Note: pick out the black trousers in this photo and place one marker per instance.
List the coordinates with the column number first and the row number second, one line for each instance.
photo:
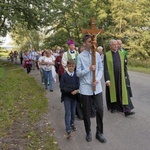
column 28, row 68
column 21, row 59
column 98, row 102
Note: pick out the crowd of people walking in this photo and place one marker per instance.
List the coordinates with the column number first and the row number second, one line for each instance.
column 75, row 75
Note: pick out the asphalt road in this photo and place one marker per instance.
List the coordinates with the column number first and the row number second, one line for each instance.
column 122, row 133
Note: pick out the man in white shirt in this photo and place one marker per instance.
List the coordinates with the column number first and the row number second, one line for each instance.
column 84, row 71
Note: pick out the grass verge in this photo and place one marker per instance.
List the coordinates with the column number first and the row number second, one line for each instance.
column 139, row 69
column 4, row 54
column 22, row 107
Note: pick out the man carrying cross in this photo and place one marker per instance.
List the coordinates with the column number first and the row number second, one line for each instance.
column 84, row 71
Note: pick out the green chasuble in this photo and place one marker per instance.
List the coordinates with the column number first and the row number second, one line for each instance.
column 109, row 60
column 124, row 52
column 70, row 57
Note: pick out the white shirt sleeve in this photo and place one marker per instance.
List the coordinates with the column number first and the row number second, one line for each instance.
column 64, row 60
column 53, row 57
column 40, row 59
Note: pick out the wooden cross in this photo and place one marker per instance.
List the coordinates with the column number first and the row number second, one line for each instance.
column 93, row 32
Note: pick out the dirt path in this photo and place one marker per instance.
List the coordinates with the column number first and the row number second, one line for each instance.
column 122, row 133
column 55, row 116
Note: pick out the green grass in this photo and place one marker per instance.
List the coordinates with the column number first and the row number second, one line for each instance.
column 22, row 104
column 4, row 54
column 2, row 71
column 139, row 69
column 138, row 65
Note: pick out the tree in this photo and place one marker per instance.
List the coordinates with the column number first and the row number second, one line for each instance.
column 22, row 11
column 130, row 23
column 128, row 20
column 27, row 39
column 72, row 16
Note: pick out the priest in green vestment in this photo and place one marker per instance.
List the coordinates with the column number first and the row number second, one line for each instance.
column 71, row 53
column 117, row 94
column 126, row 61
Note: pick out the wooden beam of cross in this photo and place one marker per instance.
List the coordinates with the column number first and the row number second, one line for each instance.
column 93, row 32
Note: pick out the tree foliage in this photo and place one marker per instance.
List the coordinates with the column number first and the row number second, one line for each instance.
column 128, row 20
column 30, row 12
column 27, row 39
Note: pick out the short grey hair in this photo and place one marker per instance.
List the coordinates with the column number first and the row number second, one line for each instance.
column 111, row 41
column 99, row 47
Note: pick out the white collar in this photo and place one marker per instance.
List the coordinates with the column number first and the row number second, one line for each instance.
column 71, row 74
column 72, row 51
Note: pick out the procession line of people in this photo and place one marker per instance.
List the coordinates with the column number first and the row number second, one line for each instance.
column 75, row 73
column 118, row 89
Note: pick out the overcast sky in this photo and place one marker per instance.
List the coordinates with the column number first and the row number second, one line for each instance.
column 8, row 41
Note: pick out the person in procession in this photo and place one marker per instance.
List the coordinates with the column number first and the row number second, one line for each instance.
column 27, row 62
column 84, row 71
column 47, row 62
column 33, row 56
column 70, row 54
column 100, row 51
column 119, row 42
column 58, row 64
column 40, row 66
column 21, row 53
column 117, row 94
column 69, row 85
column 81, row 49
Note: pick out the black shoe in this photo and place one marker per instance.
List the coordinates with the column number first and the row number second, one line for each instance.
column 129, row 113
column 51, row 90
column 100, row 137
column 112, row 111
column 92, row 116
column 89, row 137
column 73, row 127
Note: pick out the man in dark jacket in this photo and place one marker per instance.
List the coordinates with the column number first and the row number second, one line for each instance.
column 117, row 93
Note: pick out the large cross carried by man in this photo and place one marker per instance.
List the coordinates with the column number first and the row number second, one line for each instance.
column 93, row 32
